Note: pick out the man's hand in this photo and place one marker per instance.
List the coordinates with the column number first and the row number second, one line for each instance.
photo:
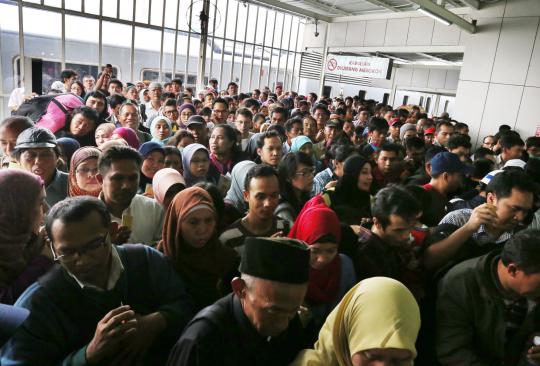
column 148, row 329
column 116, row 326
column 120, row 234
column 485, row 214
column 533, row 354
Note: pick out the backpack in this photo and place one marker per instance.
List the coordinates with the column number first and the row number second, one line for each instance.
column 50, row 111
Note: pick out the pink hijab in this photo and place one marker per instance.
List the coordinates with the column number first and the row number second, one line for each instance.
column 163, row 180
column 129, row 135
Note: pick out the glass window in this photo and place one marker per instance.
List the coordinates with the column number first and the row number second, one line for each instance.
column 56, row 3
column 110, row 9
column 82, row 42
column 126, row 9
column 184, row 14
column 9, row 51
column 168, row 50
column 269, row 34
column 241, row 21
column 181, row 52
column 259, row 34
column 231, row 20
column 218, row 11
column 91, row 6
column 43, row 42
column 147, row 48
column 156, row 15
column 73, row 5
column 141, row 11
column 117, row 48
column 279, row 30
column 171, row 8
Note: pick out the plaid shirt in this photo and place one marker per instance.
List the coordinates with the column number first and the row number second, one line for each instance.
column 460, row 217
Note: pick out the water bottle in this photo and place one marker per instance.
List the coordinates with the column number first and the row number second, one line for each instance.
column 536, row 342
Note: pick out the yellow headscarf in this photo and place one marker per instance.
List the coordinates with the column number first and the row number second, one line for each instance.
column 378, row 312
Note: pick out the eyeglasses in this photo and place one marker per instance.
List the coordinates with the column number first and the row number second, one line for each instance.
column 87, row 171
column 305, row 173
column 70, row 254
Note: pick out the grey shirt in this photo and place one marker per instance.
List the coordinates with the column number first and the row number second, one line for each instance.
column 57, row 190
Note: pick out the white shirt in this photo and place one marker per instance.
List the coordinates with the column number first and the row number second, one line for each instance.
column 147, row 220
column 150, row 112
column 16, row 98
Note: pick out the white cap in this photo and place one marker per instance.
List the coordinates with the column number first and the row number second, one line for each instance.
column 518, row 163
column 489, row 176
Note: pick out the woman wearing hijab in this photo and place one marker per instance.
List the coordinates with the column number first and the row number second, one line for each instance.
column 68, row 146
column 82, row 173
column 235, row 194
column 185, row 111
column 377, row 322
column 189, row 240
column 304, row 144
column 331, row 274
column 167, row 183
column 196, row 164
column 104, row 133
column 161, row 129
column 24, row 255
column 153, row 156
column 128, row 135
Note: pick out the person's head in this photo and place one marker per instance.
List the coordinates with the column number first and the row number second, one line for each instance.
column 115, row 87
column 532, row 144
column 484, row 153
column 512, row 192
column 10, row 129
column 77, row 88
column 23, row 204
column 223, row 141
column 488, row 142
column 82, row 172
column 388, row 158
column 356, row 176
column 161, row 128
column 443, row 132
column 429, row 136
column 377, row 130
column 83, row 122
column 407, row 131
column 415, row 149
column 319, row 227
column 131, row 94
column 309, row 127
column 243, row 121
column 154, row 91
column 261, row 192
column 460, row 144
column 232, row 88
column 89, row 82
column 119, row 172
column 220, row 111
column 293, row 128
column 375, row 324
column 394, row 214
column 448, row 171
column 128, row 116
column 296, row 173
column 321, row 114
column 181, row 139
column 520, row 260
column 273, row 283
column 98, row 101
column 173, row 158
column 270, row 148
column 278, row 115
column 461, row 128
column 166, row 183
column 153, row 158
column 170, row 110
column 196, row 163
column 176, row 86
column 68, row 76
column 512, row 146
column 37, row 151
column 78, row 228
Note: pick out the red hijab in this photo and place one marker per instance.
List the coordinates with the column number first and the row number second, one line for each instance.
column 313, row 224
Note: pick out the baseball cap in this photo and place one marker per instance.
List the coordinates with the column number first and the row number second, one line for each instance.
column 429, row 131
column 448, row 162
column 489, row 176
column 35, row 137
column 196, row 120
column 393, row 121
column 154, row 85
column 148, row 147
column 515, row 163
column 11, row 317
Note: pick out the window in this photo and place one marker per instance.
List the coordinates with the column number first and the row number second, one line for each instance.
column 421, row 101
column 428, row 104
column 405, row 100
column 446, row 106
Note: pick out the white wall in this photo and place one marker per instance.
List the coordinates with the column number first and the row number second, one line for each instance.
column 500, row 78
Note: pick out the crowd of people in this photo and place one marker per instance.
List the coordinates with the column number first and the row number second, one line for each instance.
column 163, row 226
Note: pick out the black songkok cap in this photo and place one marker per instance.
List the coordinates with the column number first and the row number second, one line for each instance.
column 276, row 259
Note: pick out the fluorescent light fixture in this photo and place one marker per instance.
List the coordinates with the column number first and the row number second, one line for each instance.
column 434, row 16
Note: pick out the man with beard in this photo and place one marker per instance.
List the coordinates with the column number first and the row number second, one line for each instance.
column 139, row 219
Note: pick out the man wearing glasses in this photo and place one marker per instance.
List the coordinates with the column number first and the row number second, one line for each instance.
column 220, row 111
column 103, row 303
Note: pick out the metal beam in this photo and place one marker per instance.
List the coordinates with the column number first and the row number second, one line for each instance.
column 446, row 15
column 328, row 8
column 475, row 4
column 435, row 58
column 278, row 5
column 383, row 5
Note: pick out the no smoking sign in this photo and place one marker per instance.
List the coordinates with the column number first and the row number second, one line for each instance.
column 331, row 64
